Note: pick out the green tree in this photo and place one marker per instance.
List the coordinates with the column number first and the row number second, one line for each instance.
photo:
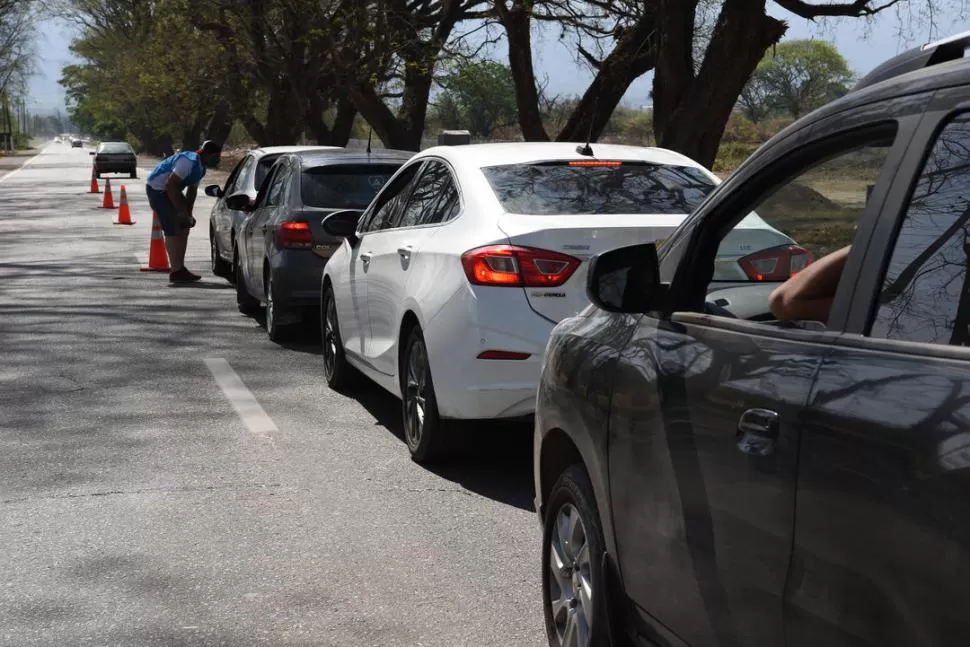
column 795, row 78
column 478, row 96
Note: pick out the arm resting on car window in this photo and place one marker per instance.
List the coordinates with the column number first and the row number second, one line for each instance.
column 808, row 295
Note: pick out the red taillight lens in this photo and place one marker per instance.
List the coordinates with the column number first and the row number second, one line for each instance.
column 294, row 235
column 514, row 266
column 776, row 263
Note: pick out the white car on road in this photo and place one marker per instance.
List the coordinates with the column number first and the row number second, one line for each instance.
column 447, row 286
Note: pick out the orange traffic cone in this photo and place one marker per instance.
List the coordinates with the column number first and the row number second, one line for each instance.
column 94, row 182
column 157, row 256
column 109, row 201
column 124, row 214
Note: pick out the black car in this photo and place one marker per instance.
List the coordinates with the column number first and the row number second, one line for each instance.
column 247, row 177
column 280, row 247
column 115, row 157
column 707, row 475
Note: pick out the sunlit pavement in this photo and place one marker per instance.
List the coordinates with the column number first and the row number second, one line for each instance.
column 138, row 508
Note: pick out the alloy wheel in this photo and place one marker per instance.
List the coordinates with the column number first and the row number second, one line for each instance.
column 415, row 393
column 330, row 338
column 570, row 578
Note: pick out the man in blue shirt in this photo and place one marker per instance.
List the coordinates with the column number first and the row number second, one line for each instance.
column 180, row 172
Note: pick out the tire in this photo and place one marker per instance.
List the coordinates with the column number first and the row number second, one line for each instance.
column 339, row 373
column 133, row 175
column 244, row 301
column 574, row 622
column 428, row 438
column 219, row 266
column 274, row 329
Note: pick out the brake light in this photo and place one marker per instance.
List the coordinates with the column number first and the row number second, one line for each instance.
column 594, row 163
column 512, row 266
column 294, row 235
column 776, row 263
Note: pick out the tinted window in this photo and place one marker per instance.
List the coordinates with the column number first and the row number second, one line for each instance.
column 262, row 169
column 924, row 296
column 434, row 199
column 551, row 188
column 112, row 147
column 344, row 187
column 388, row 204
column 276, row 187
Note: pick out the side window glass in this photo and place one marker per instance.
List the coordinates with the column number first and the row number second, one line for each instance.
column 274, row 195
column 810, row 215
column 424, row 197
column 231, row 183
column 446, row 203
column 925, row 296
column 388, row 203
column 262, row 196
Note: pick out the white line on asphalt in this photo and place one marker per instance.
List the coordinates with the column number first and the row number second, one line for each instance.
column 24, row 165
column 241, row 398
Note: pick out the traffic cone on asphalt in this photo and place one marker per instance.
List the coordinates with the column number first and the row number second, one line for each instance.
column 94, row 182
column 124, row 214
column 157, row 256
column 109, row 201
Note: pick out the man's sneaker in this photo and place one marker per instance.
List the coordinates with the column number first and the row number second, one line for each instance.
column 183, row 276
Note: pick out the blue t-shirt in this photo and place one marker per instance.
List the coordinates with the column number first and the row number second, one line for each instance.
column 187, row 165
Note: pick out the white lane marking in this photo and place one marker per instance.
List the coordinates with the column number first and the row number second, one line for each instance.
column 241, row 398
column 25, row 164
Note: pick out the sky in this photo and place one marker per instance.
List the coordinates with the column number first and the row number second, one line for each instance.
column 864, row 42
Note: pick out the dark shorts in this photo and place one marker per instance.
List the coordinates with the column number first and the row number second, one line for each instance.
column 167, row 214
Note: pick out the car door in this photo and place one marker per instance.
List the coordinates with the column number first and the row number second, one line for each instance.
column 397, row 255
column 882, row 533
column 379, row 218
column 706, row 417
column 222, row 217
column 259, row 224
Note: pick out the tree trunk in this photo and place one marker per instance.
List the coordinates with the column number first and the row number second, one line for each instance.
column 192, row 136
column 517, row 20
column 220, row 124
column 343, row 123
column 317, row 104
column 691, row 112
column 634, row 55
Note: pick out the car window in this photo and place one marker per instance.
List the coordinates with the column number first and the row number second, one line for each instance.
column 344, row 186
column 387, row 206
column 114, row 148
column 569, row 187
column 262, row 195
column 805, row 217
column 925, row 296
column 275, row 193
column 263, row 168
column 232, row 184
column 433, row 199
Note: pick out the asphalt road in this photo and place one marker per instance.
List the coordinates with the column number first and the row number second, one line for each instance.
column 137, row 507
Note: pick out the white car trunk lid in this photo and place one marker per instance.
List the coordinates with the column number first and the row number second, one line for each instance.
column 582, row 237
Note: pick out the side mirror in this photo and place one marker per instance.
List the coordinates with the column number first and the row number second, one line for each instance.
column 91, row 153
column 239, row 202
column 626, row 280
column 213, row 191
column 342, row 224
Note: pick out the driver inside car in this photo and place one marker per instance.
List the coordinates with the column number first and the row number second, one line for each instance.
column 808, row 295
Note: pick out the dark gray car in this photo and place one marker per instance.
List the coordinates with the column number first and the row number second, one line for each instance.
column 247, row 177
column 281, row 247
column 709, row 476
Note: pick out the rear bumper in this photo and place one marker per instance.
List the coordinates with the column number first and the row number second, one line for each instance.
column 486, row 319
column 115, row 167
column 296, row 277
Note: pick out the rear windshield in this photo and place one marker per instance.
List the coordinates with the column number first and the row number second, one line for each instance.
column 567, row 188
column 115, row 148
column 344, row 186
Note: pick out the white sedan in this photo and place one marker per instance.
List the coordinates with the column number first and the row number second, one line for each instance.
column 447, row 286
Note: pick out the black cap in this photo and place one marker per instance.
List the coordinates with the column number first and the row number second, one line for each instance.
column 210, row 147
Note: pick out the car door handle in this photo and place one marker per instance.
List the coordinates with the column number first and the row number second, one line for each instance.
column 405, row 251
column 365, row 257
column 757, row 432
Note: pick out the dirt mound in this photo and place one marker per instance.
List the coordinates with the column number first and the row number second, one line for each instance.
column 796, row 198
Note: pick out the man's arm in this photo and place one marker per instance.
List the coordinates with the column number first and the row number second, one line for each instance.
column 190, row 194
column 808, row 295
column 183, row 167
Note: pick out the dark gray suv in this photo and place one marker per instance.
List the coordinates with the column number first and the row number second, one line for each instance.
column 707, row 475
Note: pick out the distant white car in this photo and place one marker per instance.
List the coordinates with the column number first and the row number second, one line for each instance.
column 446, row 288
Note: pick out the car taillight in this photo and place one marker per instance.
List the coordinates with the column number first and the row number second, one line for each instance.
column 513, row 266
column 294, row 235
column 776, row 263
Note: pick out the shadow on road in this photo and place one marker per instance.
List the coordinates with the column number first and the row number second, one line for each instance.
column 495, row 458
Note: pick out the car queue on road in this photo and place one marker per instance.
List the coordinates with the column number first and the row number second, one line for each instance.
column 705, row 474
